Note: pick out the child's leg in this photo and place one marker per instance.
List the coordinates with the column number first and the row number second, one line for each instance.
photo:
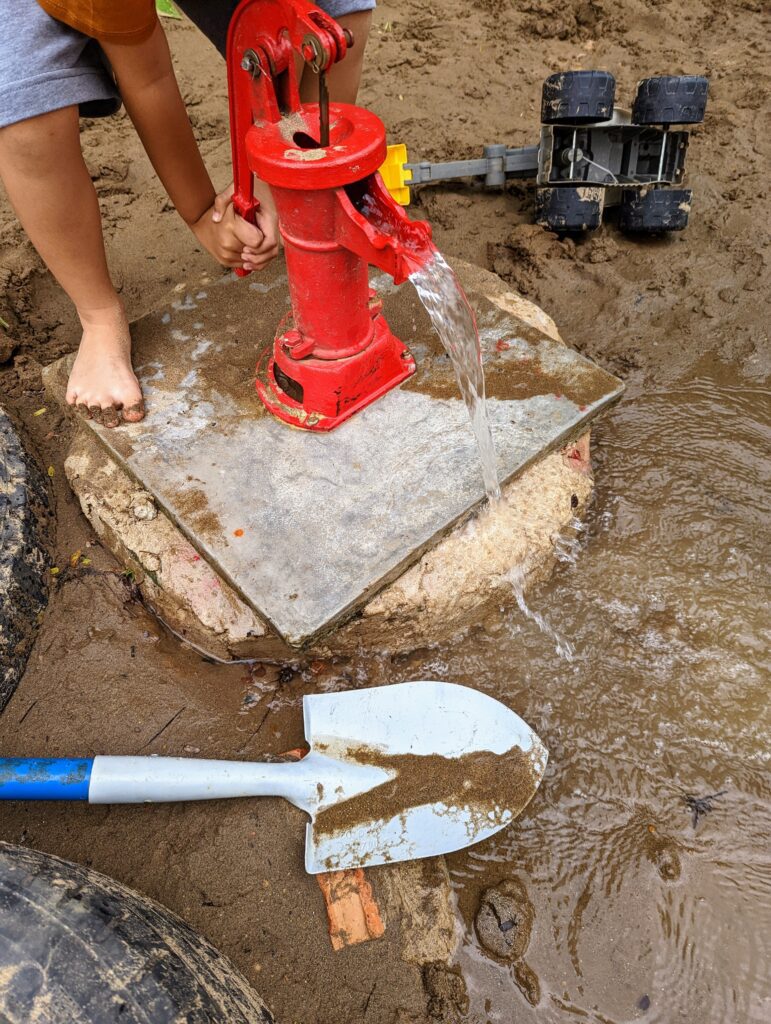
column 49, row 186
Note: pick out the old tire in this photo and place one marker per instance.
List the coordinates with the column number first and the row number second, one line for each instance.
column 24, row 522
column 569, row 208
column 671, row 99
column 77, row 947
column 578, row 97
column 654, row 211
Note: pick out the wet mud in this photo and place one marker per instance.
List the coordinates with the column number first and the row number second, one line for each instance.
column 447, row 993
column 194, row 507
column 661, row 593
column 504, row 920
column 490, row 788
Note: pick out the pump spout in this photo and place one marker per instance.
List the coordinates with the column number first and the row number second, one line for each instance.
column 375, row 228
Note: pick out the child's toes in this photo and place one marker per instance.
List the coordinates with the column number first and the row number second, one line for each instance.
column 134, row 413
column 82, row 409
column 95, row 413
column 110, row 416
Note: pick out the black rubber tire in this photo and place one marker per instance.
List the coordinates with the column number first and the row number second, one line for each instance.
column 569, row 208
column 25, row 518
column 77, row 947
column 671, row 99
column 578, row 97
column 654, row 211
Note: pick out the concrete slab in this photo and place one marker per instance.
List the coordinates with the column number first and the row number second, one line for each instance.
column 307, row 527
column 451, row 587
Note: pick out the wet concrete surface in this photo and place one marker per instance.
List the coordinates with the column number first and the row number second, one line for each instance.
column 306, row 527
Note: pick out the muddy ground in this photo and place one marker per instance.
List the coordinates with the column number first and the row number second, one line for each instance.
column 446, row 78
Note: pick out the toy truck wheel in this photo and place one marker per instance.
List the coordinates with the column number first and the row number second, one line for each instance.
column 578, row 97
column 654, row 211
column 78, row 946
column 671, row 99
column 567, row 208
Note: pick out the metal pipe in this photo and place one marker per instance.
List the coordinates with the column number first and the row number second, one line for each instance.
column 323, row 111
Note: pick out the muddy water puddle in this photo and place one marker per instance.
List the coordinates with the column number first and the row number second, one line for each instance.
column 661, row 696
column 642, row 665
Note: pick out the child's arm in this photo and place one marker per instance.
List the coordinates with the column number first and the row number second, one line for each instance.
column 151, row 95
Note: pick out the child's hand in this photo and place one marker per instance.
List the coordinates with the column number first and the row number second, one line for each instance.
column 256, row 254
column 234, row 242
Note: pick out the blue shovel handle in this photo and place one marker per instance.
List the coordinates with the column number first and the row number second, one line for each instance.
column 45, row 778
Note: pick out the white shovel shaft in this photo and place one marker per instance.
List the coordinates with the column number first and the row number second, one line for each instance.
column 313, row 782
column 124, row 780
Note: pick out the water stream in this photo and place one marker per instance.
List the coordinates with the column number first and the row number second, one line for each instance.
column 445, row 301
column 562, row 646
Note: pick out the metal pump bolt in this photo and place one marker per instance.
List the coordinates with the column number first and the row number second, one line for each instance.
column 251, row 62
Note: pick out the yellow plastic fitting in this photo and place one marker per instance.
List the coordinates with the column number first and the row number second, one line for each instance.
column 395, row 176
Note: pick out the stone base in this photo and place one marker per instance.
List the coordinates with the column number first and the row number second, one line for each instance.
column 469, row 570
column 176, row 582
column 461, row 572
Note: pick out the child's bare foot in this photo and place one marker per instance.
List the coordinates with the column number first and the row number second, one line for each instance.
column 102, row 384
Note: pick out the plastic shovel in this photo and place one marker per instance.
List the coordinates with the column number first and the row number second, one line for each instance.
column 393, row 773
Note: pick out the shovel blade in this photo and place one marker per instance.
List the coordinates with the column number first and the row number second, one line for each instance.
column 452, row 767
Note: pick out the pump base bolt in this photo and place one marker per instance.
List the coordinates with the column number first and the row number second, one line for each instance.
column 295, row 344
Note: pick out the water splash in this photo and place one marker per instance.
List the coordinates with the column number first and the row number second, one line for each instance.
column 441, row 293
column 567, row 544
column 563, row 647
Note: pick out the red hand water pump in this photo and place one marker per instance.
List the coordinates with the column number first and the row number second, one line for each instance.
column 320, row 160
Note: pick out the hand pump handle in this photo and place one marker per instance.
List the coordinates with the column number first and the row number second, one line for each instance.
column 263, row 37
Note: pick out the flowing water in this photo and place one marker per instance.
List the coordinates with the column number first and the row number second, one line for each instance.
column 441, row 293
column 562, row 646
column 453, row 319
